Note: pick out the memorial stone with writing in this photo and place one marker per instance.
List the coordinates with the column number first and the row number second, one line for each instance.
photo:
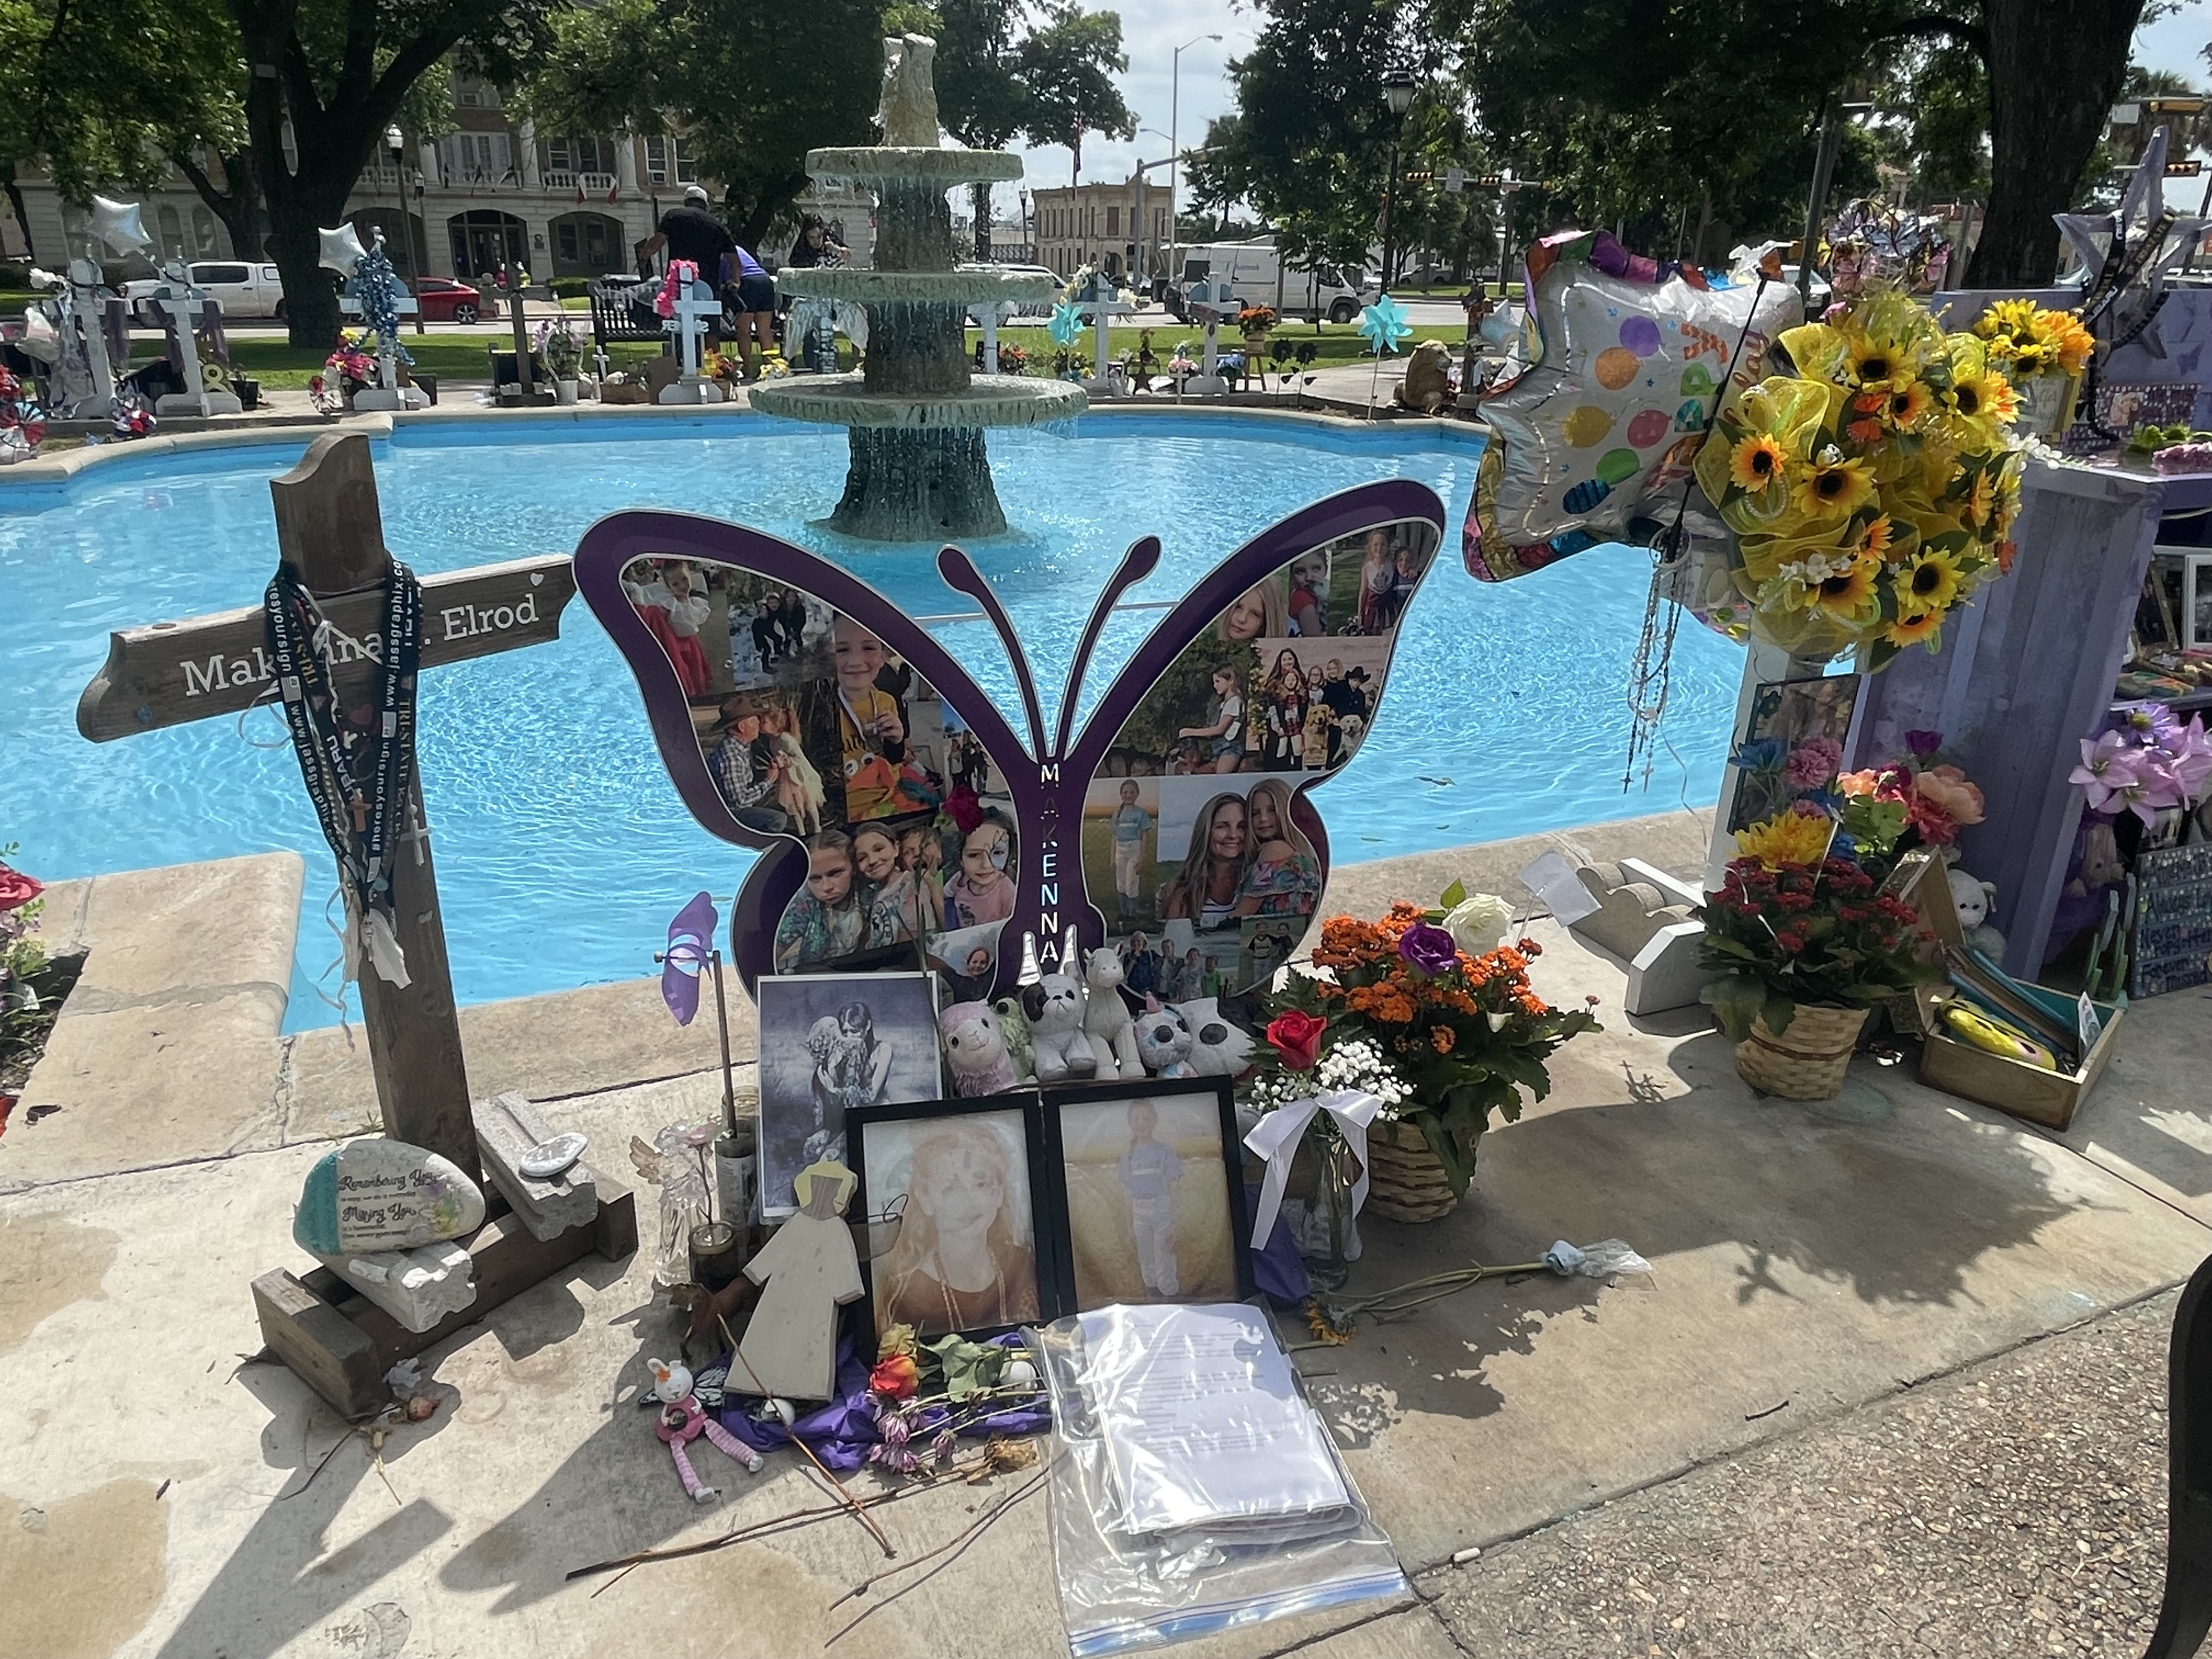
column 372, row 1195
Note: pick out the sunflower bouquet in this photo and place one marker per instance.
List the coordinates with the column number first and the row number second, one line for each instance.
column 1873, row 492
column 2043, row 352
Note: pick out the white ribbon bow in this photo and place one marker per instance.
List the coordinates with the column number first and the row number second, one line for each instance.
column 1275, row 1138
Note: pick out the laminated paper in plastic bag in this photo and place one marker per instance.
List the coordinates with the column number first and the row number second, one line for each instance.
column 1605, row 421
column 1286, row 1534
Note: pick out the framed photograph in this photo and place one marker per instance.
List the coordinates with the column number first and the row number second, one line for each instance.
column 2196, row 617
column 1784, row 715
column 1152, row 1176
column 830, row 1044
column 966, row 1179
column 2159, row 609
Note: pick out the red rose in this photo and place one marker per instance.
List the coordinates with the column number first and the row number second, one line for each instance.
column 1296, row 1037
column 895, row 1378
column 16, row 889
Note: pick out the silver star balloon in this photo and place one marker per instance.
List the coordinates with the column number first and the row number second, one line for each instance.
column 341, row 249
column 117, row 224
column 2092, row 235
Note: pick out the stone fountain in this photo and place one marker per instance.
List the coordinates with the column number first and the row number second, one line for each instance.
column 916, row 416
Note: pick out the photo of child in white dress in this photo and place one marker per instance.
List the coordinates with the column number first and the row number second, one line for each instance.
column 1148, row 1204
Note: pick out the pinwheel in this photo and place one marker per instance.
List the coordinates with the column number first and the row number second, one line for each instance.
column 690, row 951
column 1384, row 325
column 1066, row 325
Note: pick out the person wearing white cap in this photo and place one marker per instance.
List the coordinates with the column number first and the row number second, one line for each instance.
column 690, row 232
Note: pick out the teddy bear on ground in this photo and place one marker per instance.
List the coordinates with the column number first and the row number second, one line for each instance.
column 1427, row 386
column 1164, row 1040
column 1973, row 897
column 1106, row 1016
column 975, row 1050
column 1054, row 1005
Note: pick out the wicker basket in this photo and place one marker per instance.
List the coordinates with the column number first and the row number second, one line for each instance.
column 1405, row 1178
column 1808, row 1061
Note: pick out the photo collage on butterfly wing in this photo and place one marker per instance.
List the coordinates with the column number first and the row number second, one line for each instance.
column 1147, row 1191
column 1188, row 844
column 830, row 1043
column 965, row 1257
column 810, row 726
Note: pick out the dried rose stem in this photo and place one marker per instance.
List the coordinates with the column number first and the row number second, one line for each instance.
column 866, row 1520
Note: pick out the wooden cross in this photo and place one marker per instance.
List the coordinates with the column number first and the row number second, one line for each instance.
column 525, row 371
column 177, row 299
column 329, row 534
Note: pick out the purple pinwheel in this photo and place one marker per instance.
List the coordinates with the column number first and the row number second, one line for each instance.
column 691, row 948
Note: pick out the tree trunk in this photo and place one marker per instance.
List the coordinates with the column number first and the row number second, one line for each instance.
column 311, row 293
column 237, row 202
column 16, row 205
column 2044, row 124
column 981, row 196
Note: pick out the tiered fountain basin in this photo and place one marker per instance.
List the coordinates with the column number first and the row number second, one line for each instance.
column 916, row 414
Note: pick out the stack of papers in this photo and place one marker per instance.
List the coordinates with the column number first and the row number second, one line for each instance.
column 1204, row 1429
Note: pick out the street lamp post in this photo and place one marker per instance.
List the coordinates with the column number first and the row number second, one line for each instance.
column 1175, row 148
column 1398, row 88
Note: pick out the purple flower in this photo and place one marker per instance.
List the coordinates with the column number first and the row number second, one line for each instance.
column 1811, row 763
column 895, row 1429
column 2112, row 774
column 2149, row 722
column 1428, row 949
column 943, row 1447
column 1924, row 744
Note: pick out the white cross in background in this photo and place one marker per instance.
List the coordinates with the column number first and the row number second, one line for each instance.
column 696, row 306
column 181, row 301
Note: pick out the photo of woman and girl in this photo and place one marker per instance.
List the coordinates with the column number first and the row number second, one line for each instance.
column 1246, row 858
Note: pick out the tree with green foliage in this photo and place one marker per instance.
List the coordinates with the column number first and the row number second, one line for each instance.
column 96, row 94
column 751, row 89
column 1067, row 64
column 981, row 96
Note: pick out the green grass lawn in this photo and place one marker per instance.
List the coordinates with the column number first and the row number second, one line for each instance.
column 448, row 356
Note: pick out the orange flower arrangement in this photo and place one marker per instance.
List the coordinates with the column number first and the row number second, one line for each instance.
column 1461, row 1033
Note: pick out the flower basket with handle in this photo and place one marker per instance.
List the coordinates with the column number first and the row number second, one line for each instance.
column 1432, row 1013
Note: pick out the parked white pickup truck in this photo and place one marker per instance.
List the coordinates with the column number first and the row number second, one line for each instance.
column 242, row 289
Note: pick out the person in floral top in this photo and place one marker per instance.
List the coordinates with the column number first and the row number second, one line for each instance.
column 1284, row 877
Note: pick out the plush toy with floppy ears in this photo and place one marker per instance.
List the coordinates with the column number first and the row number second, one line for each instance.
column 1055, row 1006
column 1973, row 896
column 1217, row 1047
column 975, row 1050
column 1164, row 1041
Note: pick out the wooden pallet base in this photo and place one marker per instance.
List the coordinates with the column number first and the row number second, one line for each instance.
column 341, row 1344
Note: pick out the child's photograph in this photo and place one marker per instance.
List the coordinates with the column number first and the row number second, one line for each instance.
column 959, row 1180
column 1229, row 850
column 1787, row 716
column 1265, row 944
column 1372, row 577
column 1150, row 1216
column 1121, row 841
column 830, row 1043
column 871, row 727
column 1316, row 699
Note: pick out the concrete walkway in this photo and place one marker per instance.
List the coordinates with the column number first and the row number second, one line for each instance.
column 1818, row 1267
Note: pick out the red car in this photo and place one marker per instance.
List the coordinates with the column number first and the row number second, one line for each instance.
column 444, row 300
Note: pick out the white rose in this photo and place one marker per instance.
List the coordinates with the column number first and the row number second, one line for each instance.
column 1478, row 922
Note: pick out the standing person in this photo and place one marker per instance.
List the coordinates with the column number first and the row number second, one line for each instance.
column 817, row 351
column 1378, row 583
column 1286, row 692
column 792, row 623
column 1131, row 824
column 1143, row 973
column 1149, row 1172
column 1342, row 700
column 748, row 294
column 687, row 231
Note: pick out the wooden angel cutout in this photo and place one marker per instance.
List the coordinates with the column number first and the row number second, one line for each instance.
column 807, row 1271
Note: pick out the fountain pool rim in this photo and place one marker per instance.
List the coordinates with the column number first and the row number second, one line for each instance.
column 34, row 486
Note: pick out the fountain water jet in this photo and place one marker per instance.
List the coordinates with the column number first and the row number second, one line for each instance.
column 916, row 415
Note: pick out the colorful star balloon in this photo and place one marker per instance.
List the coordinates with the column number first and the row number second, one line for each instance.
column 1384, row 325
column 691, row 948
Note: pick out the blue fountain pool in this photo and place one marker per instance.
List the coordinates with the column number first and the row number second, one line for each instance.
column 563, row 849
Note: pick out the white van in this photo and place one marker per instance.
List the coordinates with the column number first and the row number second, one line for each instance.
column 1215, row 273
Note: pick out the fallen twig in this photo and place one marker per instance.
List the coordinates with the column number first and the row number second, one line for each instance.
column 958, row 1544
column 868, row 1520
column 1753, row 1417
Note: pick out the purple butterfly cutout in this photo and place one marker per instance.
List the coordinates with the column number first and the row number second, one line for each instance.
column 1046, row 778
column 691, row 948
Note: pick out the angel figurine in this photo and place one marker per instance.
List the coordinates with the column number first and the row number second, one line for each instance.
column 677, row 1164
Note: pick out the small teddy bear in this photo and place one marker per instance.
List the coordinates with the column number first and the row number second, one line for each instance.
column 1164, row 1041
column 1014, row 1026
column 1106, row 1016
column 1053, row 1006
column 679, row 1418
column 975, row 1050
column 1973, row 897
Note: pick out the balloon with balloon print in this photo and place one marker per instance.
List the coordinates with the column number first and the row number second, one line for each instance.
column 1598, row 432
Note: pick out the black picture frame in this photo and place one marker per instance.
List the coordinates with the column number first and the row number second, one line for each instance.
column 875, row 1124
column 1070, row 1252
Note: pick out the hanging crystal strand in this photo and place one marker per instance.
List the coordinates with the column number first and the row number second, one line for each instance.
column 1650, row 675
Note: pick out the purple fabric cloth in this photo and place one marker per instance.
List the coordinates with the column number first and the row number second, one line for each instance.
column 841, row 1431
column 1277, row 1270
